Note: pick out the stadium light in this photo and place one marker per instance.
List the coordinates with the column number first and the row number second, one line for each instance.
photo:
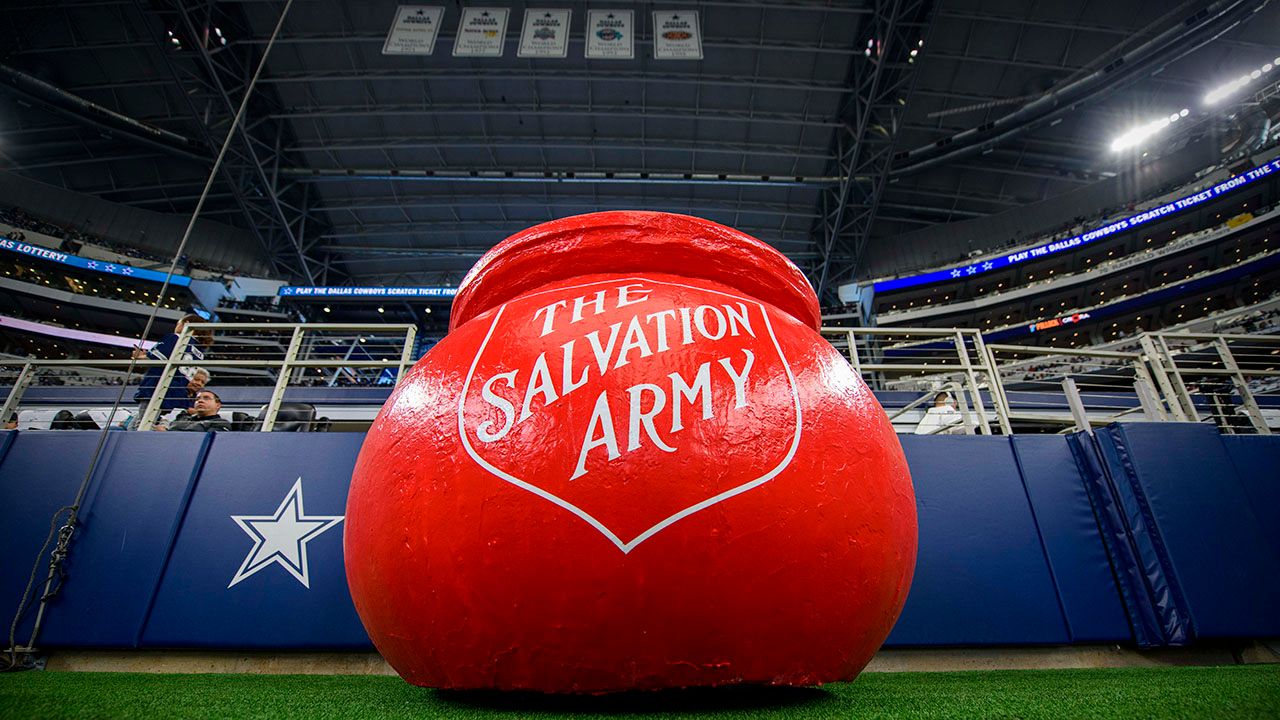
column 1137, row 135
column 1229, row 88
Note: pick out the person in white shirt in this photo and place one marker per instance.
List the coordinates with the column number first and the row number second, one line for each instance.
column 942, row 418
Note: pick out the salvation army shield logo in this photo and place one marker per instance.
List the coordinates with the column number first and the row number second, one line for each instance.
column 646, row 401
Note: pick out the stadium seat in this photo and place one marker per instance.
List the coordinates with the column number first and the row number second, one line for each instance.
column 292, row 417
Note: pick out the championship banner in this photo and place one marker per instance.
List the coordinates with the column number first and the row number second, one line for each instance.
column 545, row 33
column 414, row 31
column 676, row 36
column 481, row 32
column 611, row 35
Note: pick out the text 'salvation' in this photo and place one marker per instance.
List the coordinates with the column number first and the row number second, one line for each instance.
column 652, row 409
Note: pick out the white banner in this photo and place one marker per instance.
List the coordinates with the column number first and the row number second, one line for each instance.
column 610, row 34
column 676, row 35
column 414, row 30
column 481, row 32
column 545, row 33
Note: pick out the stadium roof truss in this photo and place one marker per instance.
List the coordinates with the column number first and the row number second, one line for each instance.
column 796, row 127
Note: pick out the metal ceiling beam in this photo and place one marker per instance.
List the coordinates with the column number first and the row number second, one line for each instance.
column 1024, row 172
column 1056, row 24
column 604, row 177
column 1114, row 30
column 511, row 109
column 383, row 230
column 555, row 143
column 593, row 200
column 880, row 89
column 550, row 74
column 245, row 165
column 205, row 123
column 1125, row 64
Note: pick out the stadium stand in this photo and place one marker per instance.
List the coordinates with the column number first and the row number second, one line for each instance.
column 1076, row 343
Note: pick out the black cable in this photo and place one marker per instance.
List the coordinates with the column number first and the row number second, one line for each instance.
column 68, row 530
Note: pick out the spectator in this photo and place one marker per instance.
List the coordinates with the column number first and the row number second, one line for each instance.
column 199, row 378
column 202, row 416
column 942, row 418
column 177, row 394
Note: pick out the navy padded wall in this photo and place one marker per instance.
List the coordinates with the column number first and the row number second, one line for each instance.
column 252, row 474
column 981, row 576
column 1077, row 558
column 1257, row 462
column 128, row 520
column 40, row 472
column 1227, row 570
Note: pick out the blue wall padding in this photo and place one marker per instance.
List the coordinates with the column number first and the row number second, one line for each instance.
column 1116, row 537
column 1163, row 592
column 1069, row 530
column 128, row 519
column 1010, row 546
column 981, row 576
column 250, row 474
column 1226, row 569
column 40, row 473
column 1257, row 462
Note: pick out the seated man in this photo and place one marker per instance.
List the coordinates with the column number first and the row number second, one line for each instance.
column 202, row 416
column 942, row 418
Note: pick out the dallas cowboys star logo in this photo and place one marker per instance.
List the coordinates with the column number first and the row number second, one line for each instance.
column 282, row 538
column 987, row 265
column 971, row 269
column 955, row 273
column 127, row 271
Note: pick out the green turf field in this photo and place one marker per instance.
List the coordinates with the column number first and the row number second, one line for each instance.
column 1251, row 691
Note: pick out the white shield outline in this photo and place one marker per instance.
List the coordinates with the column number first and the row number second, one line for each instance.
column 627, row 547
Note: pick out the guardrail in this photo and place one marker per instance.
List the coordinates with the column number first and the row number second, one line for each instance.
column 1219, row 378
column 1229, row 380
column 276, row 354
column 925, row 360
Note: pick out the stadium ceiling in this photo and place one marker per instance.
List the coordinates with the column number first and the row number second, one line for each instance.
column 808, row 124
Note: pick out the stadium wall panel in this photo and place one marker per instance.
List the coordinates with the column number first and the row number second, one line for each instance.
column 1010, row 551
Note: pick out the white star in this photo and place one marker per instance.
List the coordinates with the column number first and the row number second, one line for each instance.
column 282, row 538
column 955, row 272
column 127, row 271
column 92, row 265
column 111, row 268
column 971, row 269
column 987, row 265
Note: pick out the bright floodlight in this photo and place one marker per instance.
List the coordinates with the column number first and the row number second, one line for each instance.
column 1136, row 136
column 1226, row 89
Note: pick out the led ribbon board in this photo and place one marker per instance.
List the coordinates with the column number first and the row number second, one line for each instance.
column 1059, row 321
column 101, row 266
column 398, row 292
column 1057, row 246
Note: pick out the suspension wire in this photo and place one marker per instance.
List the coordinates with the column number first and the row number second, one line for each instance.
column 67, row 530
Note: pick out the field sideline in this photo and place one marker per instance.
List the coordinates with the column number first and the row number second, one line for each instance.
column 1241, row 691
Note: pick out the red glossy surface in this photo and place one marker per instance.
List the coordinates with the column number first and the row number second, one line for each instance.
column 517, row 521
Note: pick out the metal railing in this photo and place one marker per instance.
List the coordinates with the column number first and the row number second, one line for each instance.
column 1223, row 379
column 925, row 360
column 1106, row 386
column 279, row 355
column 1230, row 380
